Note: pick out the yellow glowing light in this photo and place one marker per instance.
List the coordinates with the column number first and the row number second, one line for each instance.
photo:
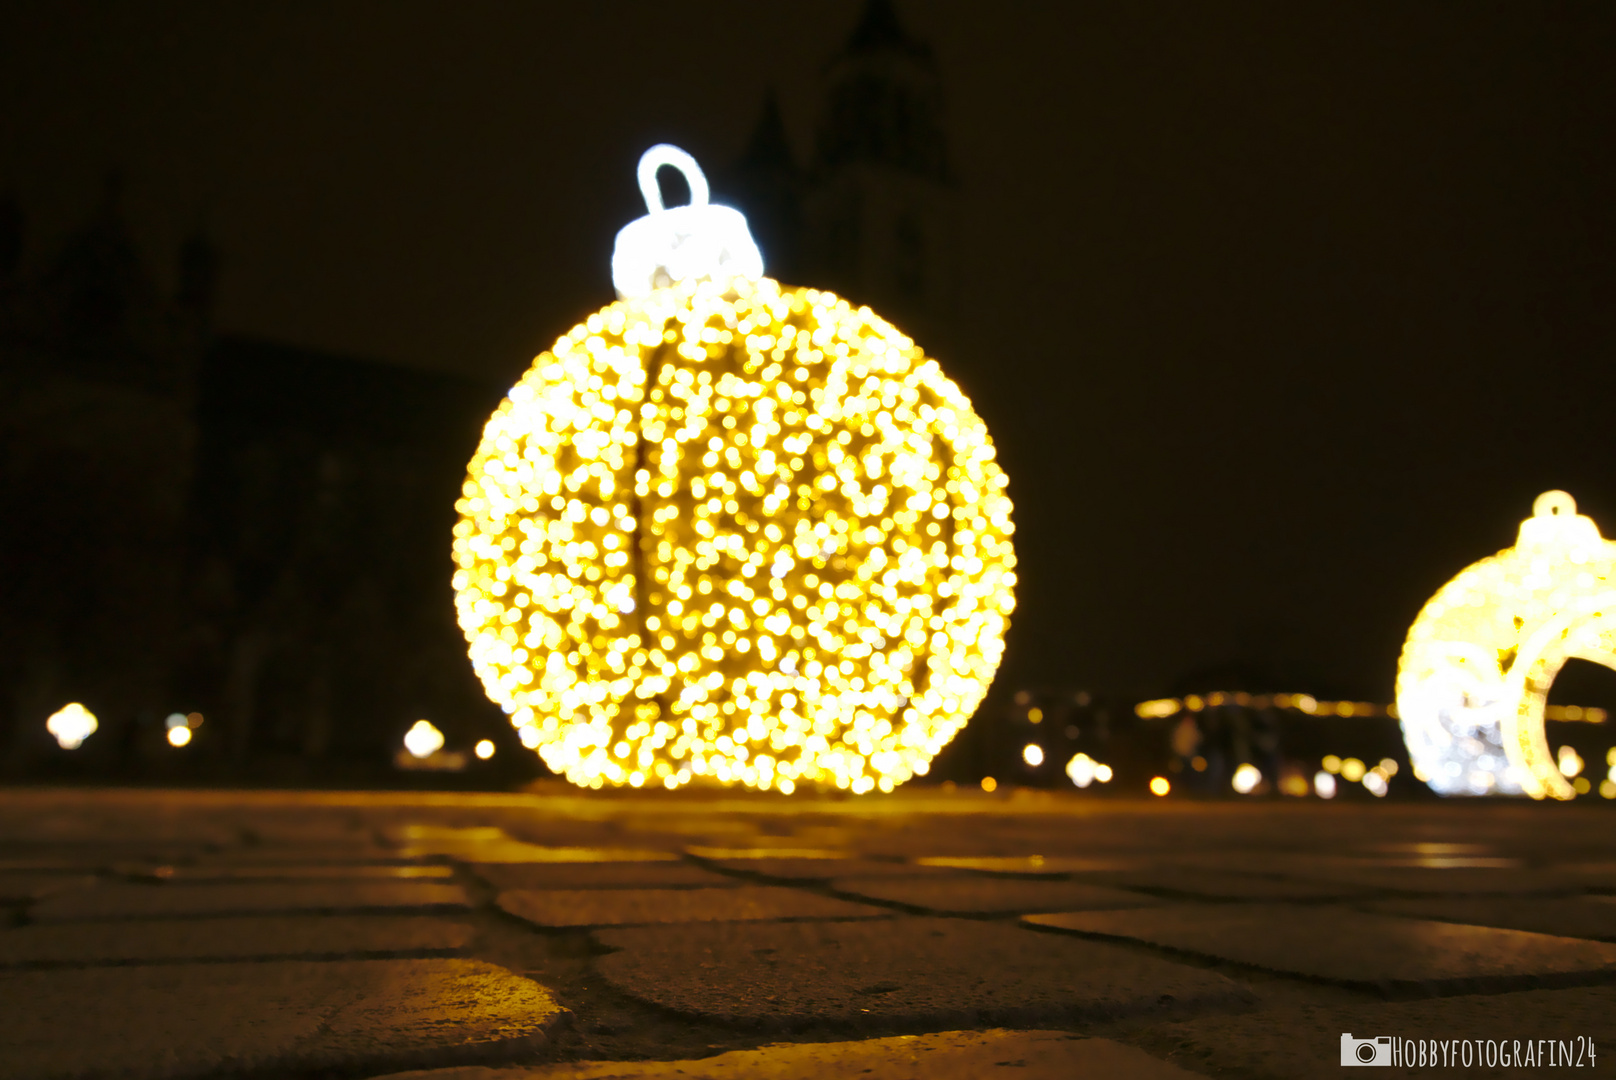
column 735, row 532
column 1331, row 763
column 1084, row 770
column 71, row 725
column 1481, row 656
column 1607, row 789
column 1159, row 785
column 1245, row 779
column 1581, row 785
column 484, row 749
column 423, row 739
column 989, row 784
column 1352, row 770
column 179, row 736
column 1568, row 762
column 1035, row 715
column 1032, row 754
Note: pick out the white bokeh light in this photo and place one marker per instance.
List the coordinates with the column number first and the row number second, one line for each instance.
column 423, row 739
column 71, row 725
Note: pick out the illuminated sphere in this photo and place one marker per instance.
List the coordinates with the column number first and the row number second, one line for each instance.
column 1476, row 669
column 735, row 532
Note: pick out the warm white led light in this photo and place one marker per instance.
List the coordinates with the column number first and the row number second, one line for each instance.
column 1032, row 754
column 671, row 245
column 179, row 736
column 1324, row 785
column 484, row 749
column 1084, row 770
column 1245, row 779
column 71, row 725
column 1482, row 654
column 423, row 739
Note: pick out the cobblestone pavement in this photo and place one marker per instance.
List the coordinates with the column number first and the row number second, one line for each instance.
column 566, row 934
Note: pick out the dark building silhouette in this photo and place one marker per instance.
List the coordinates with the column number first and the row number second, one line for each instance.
column 191, row 523
column 871, row 215
column 97, row 439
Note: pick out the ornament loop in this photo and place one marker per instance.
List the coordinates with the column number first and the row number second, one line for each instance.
column 667, row 154
column 1554, row 504
column 672, row 245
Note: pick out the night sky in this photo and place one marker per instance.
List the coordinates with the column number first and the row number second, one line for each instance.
column 1279, row 317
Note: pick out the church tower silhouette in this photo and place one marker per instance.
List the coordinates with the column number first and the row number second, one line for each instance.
column 871, row 217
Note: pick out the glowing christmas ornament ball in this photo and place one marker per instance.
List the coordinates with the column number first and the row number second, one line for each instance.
column 731, row 530
column 1475, row 672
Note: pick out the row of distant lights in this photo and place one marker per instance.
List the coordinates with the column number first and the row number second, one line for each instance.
column 1306, row 703
column 1082, row 769
column 73, row 723
column 1571, row 766
column 424, row 739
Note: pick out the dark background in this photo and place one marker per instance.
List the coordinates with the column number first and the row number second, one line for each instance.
column 1280, row 316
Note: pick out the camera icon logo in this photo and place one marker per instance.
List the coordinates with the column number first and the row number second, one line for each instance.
column 1371, row 1051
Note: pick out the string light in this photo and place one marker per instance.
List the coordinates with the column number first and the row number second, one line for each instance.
column 1481, row 656
column 1160, row 708
column 1159, row 786
column 484, row 749
column 735, row 531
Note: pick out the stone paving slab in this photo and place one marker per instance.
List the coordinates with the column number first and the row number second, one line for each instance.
column 229, row 939
column 600, row 875
column 1579, row 917
column 949, row 1055
column 626, row 907
column 211, row 872
column 917, row 971
column 1451, row 880
column 1213, row 885
column 1287, row 1044
column 1352, row 947
column 301, row 855
column 1029, row 865
column 280, row 1017
column 19, row 886
column 135, row 901
column 822, row 870
column 491, row 844
column 975, row 895
column 744, row 855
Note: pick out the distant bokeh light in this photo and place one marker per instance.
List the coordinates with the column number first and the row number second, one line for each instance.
column 423, row 739
column 71, row 725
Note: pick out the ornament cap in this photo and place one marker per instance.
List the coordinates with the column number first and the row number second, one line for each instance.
column 672, row 245
column 1555, row 522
